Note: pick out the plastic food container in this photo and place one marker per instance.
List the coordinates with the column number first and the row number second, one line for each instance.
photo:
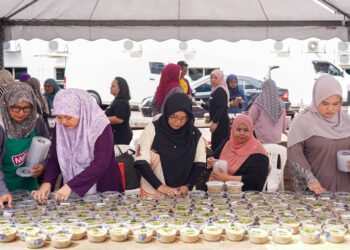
column 235, row 233
column 143, row 235
column 23, row 231
column 119, row 233
column 292, row 223
column 234, row 187
column 7, row 233
column 212, row 233
column 50, row 230
column 258, row 235
column 335, row 234
column 220, row 166
column 61, row 240
column 310, row 235
column 78, row 231
column 282, row 235
column 97, row 234
column 189, row 235
column 166, row 234
column 35, row 240
column 215, row 186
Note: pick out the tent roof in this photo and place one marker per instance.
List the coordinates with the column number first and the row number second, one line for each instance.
column 206, row 20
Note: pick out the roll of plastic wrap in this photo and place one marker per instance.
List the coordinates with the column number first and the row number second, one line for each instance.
column 343, row 160
column 38, row 150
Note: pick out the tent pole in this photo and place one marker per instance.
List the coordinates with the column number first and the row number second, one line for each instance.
column 2, row 38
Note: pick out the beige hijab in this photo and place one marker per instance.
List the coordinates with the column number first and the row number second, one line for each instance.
column 6, row 77
column 311, row 123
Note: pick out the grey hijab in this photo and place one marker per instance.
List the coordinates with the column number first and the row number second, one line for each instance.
column 311, row 123
column 15, row 93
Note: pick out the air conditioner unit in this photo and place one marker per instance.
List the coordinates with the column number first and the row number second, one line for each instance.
column 186, row 49
column 280, row 47
column 343, row 47
column 11, row 46
column 57, row 46
column 134, row 49
column 314, row 46
column 343, row 59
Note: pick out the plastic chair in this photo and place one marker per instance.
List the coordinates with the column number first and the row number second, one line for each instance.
column 277, row 161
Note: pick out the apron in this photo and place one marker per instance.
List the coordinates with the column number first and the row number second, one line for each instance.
column 14, row 158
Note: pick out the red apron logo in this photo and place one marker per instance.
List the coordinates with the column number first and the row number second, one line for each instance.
column 19, row 159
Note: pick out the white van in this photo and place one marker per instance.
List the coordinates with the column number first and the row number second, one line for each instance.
column 298, row 77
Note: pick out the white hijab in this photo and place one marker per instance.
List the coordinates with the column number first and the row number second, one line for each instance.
column 311, row 123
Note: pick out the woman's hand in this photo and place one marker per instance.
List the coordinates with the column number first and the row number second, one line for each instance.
column 213, row 127
column 42, row 194
column 316, row 187
column 219, row 176
column 37, row 170
column 5, row 198
column 210, row 162
column 183, row 189
column 167, row 190
column 63, row 193
column 234, row 103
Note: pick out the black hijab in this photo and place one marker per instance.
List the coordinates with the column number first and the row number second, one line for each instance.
column 176, row 148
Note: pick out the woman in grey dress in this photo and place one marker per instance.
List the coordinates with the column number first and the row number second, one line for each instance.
column 315, row 137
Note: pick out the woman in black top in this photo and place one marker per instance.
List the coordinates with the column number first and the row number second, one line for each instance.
column 119, row 113
column 218, row 104
column 247, row 160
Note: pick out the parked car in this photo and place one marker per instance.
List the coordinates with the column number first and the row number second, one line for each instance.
column 201, row 90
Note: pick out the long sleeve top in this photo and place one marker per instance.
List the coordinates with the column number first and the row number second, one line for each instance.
column 103, row 170
column 40, row 129
column 265, row 130
column 254, row 170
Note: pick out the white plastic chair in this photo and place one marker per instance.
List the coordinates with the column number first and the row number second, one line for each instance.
column 275, row 181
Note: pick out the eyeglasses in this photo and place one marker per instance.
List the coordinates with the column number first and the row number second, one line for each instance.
column 179, row 118
column 18, row 109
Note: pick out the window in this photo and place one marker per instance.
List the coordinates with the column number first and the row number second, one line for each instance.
column 59, row 72
column 156, row 67
column 17, row 71
column 205, row 87
column 196, row 73
column 327, row 68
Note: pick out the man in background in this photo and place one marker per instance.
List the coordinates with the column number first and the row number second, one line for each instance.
column 184, row 83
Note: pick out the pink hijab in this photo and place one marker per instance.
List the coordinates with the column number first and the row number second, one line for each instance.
column 311, row 123
column 169, row 79
column 75, row 147
column 222, row 84
column 236, row 153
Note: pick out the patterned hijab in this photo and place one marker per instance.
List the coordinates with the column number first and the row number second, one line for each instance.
column 75, row 147
column 56, row 88
column 311, row 123
column 15, row 93
column 236, row 153
column 35, row 84
column 221, row 79
column 269, row 101
column 169, row 79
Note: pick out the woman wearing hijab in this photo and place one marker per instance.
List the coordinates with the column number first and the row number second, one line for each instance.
column 41, row 102
column 19, row 123
column 268, row 114
column 246, row 158
column 82, row 149
column 171, row 153
column 169, row 84
column 24, row 77
column 119, row 112
column 238, row 99
column 51, row 88
column 5, row 78
column 218, row 103
column 315, row 137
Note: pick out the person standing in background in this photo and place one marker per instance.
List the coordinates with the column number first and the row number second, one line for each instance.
column 5, row 78
column 268, row 114
column 184, row 83
column 24, row 77
column 119, row 112
column 169, row 84
column 238, row 99
column 51, row 88
column 218, row 104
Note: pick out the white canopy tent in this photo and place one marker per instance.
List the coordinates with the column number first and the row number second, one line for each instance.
column 160, row 20
column 206, row 20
